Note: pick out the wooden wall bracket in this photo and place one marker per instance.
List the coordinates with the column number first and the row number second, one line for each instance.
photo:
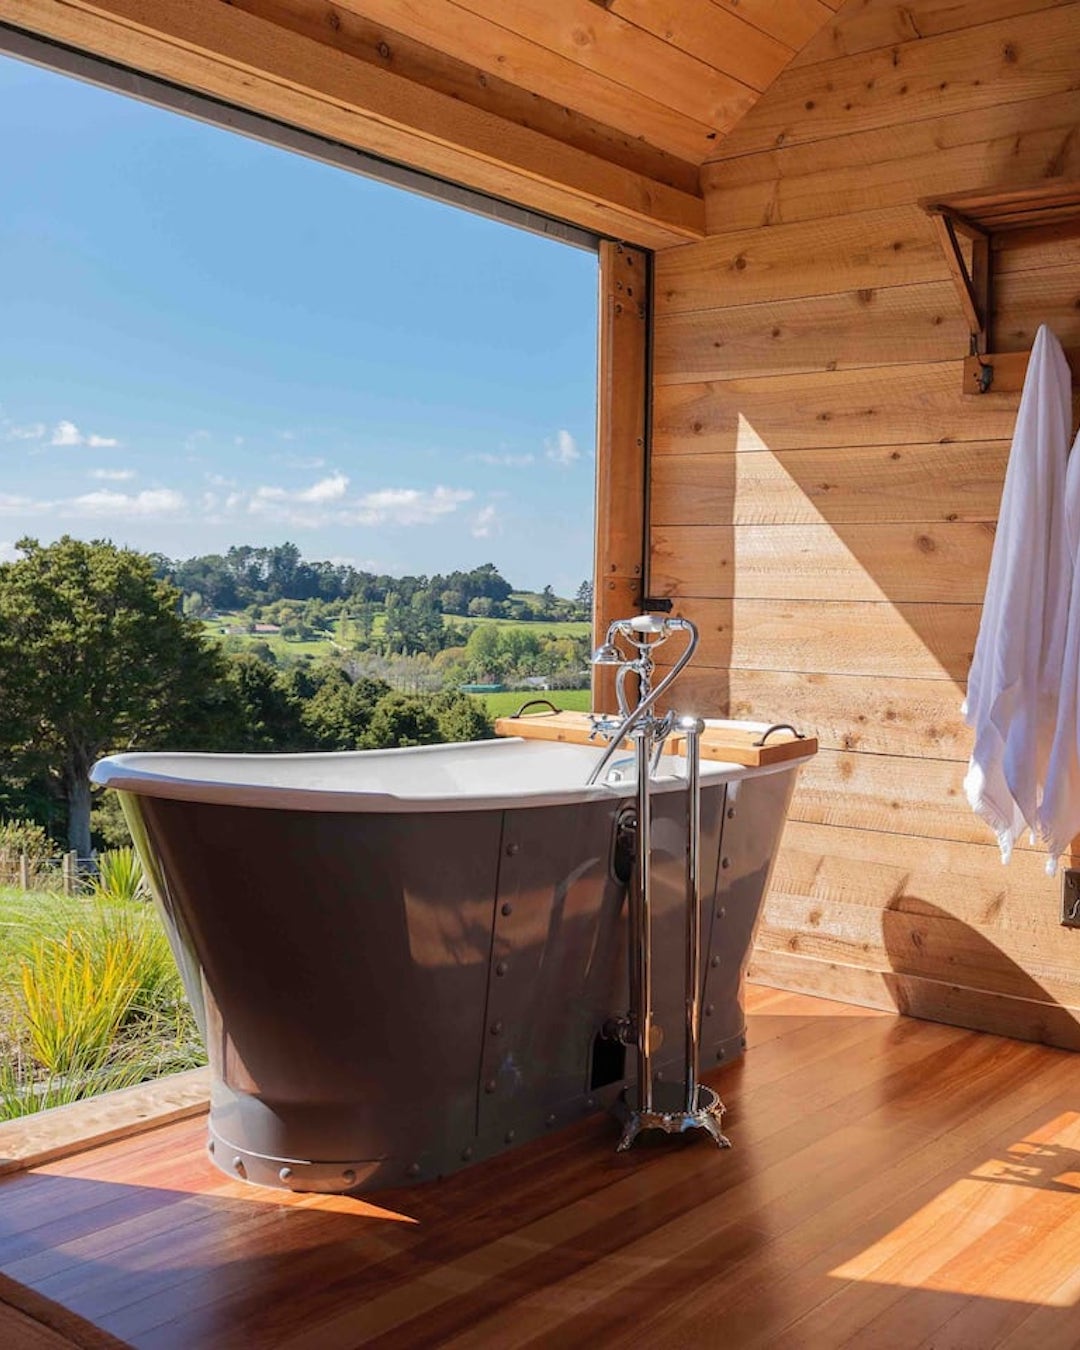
column 981, row 217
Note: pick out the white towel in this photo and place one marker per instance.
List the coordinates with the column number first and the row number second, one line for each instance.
column 1059, row 810
column 1014, row 683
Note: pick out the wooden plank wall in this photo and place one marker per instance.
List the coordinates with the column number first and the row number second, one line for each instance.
column 823, row 496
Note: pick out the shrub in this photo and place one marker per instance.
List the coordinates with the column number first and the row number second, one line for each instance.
column 120, row 877
column 16, row 838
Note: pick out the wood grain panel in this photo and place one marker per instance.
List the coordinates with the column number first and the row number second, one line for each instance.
column 792, row 22
column 1023, row 300
column 898, row 563
column 873, row 249
column 1015, row 59
column 904, row 716
column 910, row 404
column 837, row 637
column 1016, row 143
column 599, row 40
column 379, row 44
column 917, row 996
column 933, row 948
column 834, row 486
column 308, row 85
column 821, row 865
column 506, row 54
column 622, row 399
column 849, row 330
column 710, row 33
column 870, row 26
column 889, row 793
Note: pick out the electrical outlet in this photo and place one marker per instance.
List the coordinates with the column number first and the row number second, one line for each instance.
column 1070, row 897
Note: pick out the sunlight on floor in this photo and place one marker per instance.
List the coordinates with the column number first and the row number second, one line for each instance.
column 1009, row 1230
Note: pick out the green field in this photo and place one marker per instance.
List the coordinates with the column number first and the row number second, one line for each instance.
column 325, row 645
column 508, row 701
column 541, row 627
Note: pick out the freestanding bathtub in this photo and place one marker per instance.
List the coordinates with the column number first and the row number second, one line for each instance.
column 404, row 960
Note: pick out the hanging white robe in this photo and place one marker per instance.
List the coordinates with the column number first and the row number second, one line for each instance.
column 1059, row 810
column 1014, row 684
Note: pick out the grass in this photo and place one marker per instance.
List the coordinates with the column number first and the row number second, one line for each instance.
column 90, row 1000
column 507, row 702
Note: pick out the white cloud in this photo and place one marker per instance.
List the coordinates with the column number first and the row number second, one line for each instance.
column 564, row 449
column 113, row 475
column 102, row 504
column 327, row 502
column 66, row 433
column 486, row 523
column 150, row 503
column 506, row 461
column 33, row 431
column 330, row 489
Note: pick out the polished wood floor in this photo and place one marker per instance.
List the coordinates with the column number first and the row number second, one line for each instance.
column 894, row 1184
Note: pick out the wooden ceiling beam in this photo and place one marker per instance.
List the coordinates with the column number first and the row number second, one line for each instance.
column 371, row 39
column 249, row 62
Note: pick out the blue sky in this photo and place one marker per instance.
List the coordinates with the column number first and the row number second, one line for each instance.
column 206, row 341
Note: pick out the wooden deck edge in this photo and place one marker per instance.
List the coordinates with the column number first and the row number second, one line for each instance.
column 32, row 1140
column 1024, row 1019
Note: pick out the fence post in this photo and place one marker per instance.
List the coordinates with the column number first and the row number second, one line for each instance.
column 71, row 869
column 24, row 872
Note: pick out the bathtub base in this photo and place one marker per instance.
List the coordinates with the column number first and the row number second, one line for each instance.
column 707, row 1114
column 291, row 1174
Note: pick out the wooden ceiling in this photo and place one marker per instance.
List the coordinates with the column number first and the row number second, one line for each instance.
column 598, row 111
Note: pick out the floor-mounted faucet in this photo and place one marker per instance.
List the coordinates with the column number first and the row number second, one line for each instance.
column 700, row 1108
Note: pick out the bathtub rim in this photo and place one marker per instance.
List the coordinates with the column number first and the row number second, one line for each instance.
column 126, row 772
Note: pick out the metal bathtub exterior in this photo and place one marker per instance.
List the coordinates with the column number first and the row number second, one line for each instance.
column 388, row 996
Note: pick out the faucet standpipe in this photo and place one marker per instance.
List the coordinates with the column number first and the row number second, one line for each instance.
column 700, row 1107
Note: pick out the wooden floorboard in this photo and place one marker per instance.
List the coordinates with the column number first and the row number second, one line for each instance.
column 894, row 1183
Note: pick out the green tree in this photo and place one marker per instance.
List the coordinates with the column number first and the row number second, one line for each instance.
column 400, row 719
column 460, row 717
column 95, row 656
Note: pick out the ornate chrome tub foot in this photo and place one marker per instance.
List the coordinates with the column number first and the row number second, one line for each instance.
column 706, row 1116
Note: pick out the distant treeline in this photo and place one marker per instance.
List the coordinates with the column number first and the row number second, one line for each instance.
column 246, row 575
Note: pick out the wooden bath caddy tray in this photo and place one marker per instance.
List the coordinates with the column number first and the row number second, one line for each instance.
column 734, row 745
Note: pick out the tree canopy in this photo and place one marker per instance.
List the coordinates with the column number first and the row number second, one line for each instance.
column 95, row 656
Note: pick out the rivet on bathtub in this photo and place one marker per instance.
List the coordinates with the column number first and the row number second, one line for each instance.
column 489, row 1086
column 507, row 909
column 714, row 962
column 413, row 1170
column 500, row 969
column 511, row 849
column 708, row 1009
column 466, row 1155
column 550, row 1119
column 496, row 1028
column 731, row 813
column 721, row 912
column 285, row 1174
column 725, row 862
column 238, row 1167
column 720, row 1053
column 590, row 1103
column 511, row 1135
